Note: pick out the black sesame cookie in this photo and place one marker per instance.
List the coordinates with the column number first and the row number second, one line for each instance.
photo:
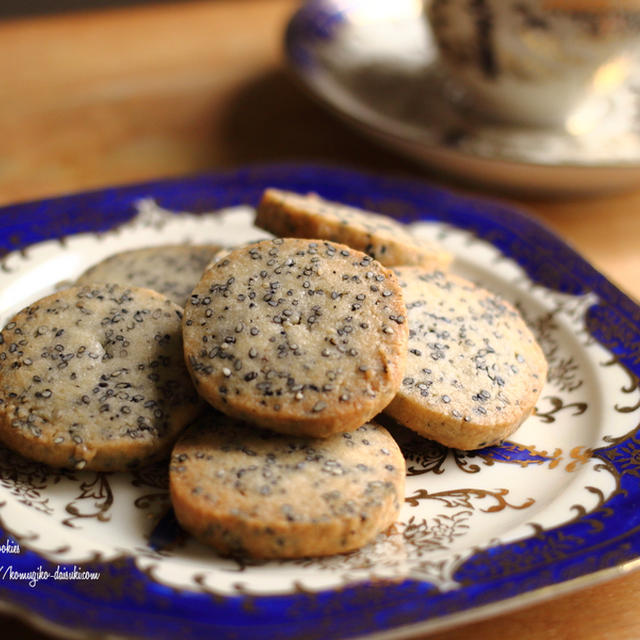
column 252, row 492
column 172, row 270
column 288, row 214
column 93, row 377
column 474, row 369
column 217, row 256
column 306, row 338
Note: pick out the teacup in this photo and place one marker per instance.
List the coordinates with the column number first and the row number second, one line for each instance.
column 545, row 63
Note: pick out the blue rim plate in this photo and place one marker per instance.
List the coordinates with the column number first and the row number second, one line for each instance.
column 551, row 510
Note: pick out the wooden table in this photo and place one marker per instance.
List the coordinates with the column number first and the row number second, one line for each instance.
column 108, row 97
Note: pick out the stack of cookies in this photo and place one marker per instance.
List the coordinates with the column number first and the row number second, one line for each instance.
column 266, row 377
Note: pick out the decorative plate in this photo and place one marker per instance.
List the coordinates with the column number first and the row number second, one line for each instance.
column 553, row 508
column 374, row 62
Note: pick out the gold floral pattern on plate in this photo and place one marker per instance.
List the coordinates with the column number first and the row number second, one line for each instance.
column 458, row 504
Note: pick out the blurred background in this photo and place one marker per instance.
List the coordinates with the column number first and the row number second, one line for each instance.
column 105, row 96
column 35, row 7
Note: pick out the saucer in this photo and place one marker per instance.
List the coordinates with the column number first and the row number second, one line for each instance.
column 375, row 63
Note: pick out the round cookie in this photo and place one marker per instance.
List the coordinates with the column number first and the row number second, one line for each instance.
column 474, row 370
column 94, row 377
column 288, row 214
column 248, row 491
column 172, row 270
column 306, row 338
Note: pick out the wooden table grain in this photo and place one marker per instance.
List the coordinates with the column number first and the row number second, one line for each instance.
column 117, row 96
